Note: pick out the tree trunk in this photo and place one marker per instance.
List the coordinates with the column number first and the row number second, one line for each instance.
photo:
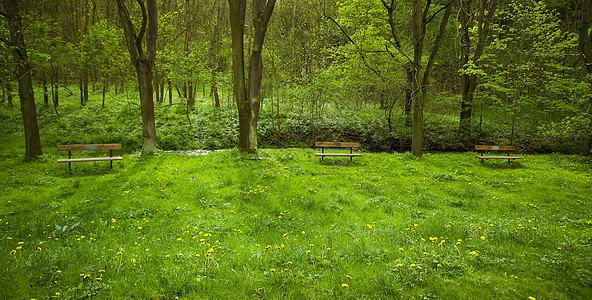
column 9, row 96
column 105, row 84
column 157, row 89
column 144, row 63
column 422, row 77
column 585, row 43
column 25, row 82
column 247, row 95
column 147, row 104
column 469, row 81
column 190, row 93
column 45, row 91
column 214, row 49
column 170, row 92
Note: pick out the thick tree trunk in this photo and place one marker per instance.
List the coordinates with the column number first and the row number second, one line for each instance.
column 248, row 96
column 147, row 105
column 421, row 75
column 25, row 82
column 585, row 43
column 144, row 63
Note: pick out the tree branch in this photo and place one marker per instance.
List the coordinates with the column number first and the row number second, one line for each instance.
column 360, row 51
column 142, row 28
column 431, row 18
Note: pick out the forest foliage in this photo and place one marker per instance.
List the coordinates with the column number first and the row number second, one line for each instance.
column 333, row 70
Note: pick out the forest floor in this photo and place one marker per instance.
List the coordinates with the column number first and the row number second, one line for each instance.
column 283, row 224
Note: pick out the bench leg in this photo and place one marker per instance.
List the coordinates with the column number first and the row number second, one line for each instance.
column 111, row 155
column 69, row 163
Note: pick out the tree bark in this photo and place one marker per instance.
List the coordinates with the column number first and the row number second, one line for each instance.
column 420, row 19
column 214, row 49
column 469, row 82
column 25, row 82
column 247, row 93
column 585, row 43
column 144, row 63
column 45, row 91
column 9, row 96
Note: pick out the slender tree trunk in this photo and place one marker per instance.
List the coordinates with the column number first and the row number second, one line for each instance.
column 161, row 85
column 157, row 89
column 214, row 46
column 55, row 87
column 105, row 86
column 170, row 92
column 9, row 96
column 25, row 82
column 190, row 94
column 469, row 82
column 45, row 91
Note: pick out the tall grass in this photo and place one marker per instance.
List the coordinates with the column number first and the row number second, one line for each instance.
column 282, row 224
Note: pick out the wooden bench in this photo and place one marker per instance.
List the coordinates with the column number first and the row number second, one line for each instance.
column 324, row 145
column 71, row 148
column 483, row 148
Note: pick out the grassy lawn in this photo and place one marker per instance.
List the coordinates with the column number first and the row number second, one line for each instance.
column 284, row 225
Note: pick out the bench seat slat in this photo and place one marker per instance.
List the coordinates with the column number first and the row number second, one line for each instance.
column 498, row 157
column 338, row 154
column 336, row 145
column 89, row 159
column 493, row 148
column 89, row 147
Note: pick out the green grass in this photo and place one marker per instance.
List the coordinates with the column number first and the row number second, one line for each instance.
column 282, row 224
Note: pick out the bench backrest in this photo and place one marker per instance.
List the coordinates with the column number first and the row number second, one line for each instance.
column 336, row 145
column 490, row 148
column 89, row 147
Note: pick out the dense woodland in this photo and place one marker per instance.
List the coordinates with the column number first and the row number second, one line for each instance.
column 393, row 75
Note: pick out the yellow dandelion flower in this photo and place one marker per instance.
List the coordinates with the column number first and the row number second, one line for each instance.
column 531, row 298
column 473, row 253
column 272, row 270
column 412, row 265
column 344, row 285
column 348, row 277
column 133, row 260
column 399, row 265
column 482, row 238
